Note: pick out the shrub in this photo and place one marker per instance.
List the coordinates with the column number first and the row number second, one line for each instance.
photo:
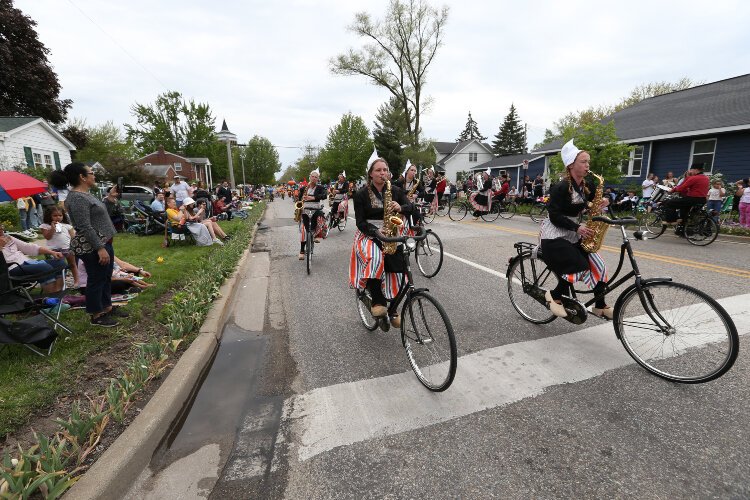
column 9, row 216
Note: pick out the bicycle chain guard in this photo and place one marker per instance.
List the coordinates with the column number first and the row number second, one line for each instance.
column 577, row 313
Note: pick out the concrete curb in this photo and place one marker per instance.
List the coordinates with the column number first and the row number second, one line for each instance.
column 115, row 472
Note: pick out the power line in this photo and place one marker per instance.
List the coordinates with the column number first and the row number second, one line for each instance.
column 118, row 44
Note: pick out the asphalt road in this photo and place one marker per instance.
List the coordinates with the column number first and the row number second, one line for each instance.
column 550, row 411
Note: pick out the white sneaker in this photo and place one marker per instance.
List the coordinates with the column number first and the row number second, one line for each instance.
column 218, row 241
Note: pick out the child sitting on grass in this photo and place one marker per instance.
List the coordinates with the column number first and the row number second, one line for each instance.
column 58, row 236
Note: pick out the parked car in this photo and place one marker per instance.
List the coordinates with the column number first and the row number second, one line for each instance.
column 133, row 193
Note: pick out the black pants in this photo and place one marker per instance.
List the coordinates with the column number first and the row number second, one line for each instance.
column 682, row 204
column 99, row 280
column 310, row 225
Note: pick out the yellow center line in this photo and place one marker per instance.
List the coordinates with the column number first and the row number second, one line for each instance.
column 645, row 255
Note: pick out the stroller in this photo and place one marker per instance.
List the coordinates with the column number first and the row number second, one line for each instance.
column 151, row 222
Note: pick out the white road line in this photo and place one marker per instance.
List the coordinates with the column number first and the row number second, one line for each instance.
column 474, row 264
column 343, row 414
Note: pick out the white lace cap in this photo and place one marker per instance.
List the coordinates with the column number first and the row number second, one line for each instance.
column 569, row 152
column 374, row 156
column 408, row 165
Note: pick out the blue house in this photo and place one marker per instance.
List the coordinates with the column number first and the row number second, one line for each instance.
column 707, row 124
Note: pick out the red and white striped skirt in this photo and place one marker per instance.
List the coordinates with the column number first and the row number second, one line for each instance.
column 477, row 206
column 367, row 262
column 596, row 272
column 319, row 229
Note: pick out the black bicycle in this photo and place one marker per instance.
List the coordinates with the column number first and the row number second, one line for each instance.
column 699, row 227
column 309, row 236
column 673, row 330
column 429, row 252
column 426, row 331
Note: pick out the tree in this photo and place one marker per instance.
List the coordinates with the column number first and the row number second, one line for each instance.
column 308, row 162
column 76, row 132
column 290, row 173
column 511, row 139
column 28, row 85
column 471, row 131
column 389, row 134
column 397, row 55
column 129, row 171
column 106, row 144
column 601, row 142
column 566, row 125
column 347, row 147
column 261, row 161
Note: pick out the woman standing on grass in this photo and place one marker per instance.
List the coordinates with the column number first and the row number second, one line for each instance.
column 92, row 242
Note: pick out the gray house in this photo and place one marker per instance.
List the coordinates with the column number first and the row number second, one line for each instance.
column 517, row 166
column 706, row 124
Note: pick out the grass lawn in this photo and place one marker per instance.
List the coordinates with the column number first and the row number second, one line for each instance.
column 29, row 383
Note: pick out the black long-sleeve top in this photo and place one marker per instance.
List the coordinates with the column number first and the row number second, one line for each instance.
column 318, row 191
column 419, row 191
column 341, row 190
column 486, row 185
column 561, row 204
column 364, row 210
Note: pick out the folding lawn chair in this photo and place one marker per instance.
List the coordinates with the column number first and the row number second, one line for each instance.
column 34, row 333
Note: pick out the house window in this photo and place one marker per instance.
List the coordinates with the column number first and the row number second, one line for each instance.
column 48, row 161
column 702, row 151
column 634, row 165
column 37, row 160
column 472, row 157
column 178, row 167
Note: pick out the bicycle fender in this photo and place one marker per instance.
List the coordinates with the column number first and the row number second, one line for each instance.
column 513, row 260
column 416, row 290
column 625, row 292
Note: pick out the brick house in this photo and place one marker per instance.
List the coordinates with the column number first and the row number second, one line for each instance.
column 160, row 162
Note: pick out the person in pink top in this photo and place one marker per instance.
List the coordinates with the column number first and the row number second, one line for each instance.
column 18, row 255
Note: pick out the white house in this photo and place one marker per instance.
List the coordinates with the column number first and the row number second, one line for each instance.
column 454, row 157
column 27, row 141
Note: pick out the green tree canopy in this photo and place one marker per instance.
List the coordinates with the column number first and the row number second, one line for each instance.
column 389, row 134
column 567, row 124
column 28, row 85
column 471, row 131
column 129, row 171
column 398, row 52
column 511, row 139
column 347, row 147
column 106, row 143
column 601, row 142
column 307, row 162
column 261, row 161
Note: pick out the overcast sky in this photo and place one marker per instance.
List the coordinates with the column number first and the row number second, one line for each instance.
column 263, row 65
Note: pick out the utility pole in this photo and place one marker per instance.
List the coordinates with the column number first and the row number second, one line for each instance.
column 228, row 137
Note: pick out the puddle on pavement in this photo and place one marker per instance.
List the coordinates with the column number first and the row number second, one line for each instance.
column 221, row 401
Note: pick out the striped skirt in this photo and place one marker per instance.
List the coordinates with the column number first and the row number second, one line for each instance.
column 596, row 272
column 477, row 206
column 367, row 262
column 319, row 229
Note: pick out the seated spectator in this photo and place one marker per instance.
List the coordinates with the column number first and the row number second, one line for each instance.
column 125, row 277
column 192, row 215
column 512, row 193
column 58, row 236
column 177, row 217
column 627, row 202
column 201, row 216
column 114, row 209
column 158, row 204
column 221, row 208
column 19, row 252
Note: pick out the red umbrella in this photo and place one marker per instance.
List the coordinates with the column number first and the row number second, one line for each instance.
column 14, row 185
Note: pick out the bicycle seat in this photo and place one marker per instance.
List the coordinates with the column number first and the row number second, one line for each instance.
column 624, row 221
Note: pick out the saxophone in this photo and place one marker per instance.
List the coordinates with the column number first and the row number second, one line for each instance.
column 298, row 205
column 391, row 223
column 331, row 194
column 413, row 188
column 593, row 243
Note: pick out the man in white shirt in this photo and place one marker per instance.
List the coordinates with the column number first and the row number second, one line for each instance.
column 648, row 186
column 179, row 190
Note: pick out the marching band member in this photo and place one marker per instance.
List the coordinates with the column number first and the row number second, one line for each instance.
column 561, row 235
column 313, row 218
column 339, row 189
column 481, row 200
column 409, row 182
column 429, row 188
column 367, row 265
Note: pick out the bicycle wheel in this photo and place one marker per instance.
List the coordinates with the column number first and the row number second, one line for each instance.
column 363, row 308
column 703, row 232
column 342, row 223
column 442, row 209
column 428, row 216
column 457, row 211
column 429, row 255
column 652, row 223
column 695, row 340
column 529, row 280
column 495, row 211
column 538, row 212
column 427, row 337
column 309, row 250
column 508, row 210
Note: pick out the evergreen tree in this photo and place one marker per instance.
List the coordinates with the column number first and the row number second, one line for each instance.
column 348, row 147
column 389, row 134
column 511, row 139
column 471, row 131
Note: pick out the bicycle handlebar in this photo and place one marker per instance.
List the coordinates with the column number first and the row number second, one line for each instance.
column 402, row 239
column 615, row 222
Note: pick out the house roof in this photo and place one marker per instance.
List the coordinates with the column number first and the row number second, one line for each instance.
column 508, row 161
column 157, row 170
column 200, row 161
column 711, row 108
column 453, row 148
column 12, row 124
column 165, row 152
column 8, row 123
